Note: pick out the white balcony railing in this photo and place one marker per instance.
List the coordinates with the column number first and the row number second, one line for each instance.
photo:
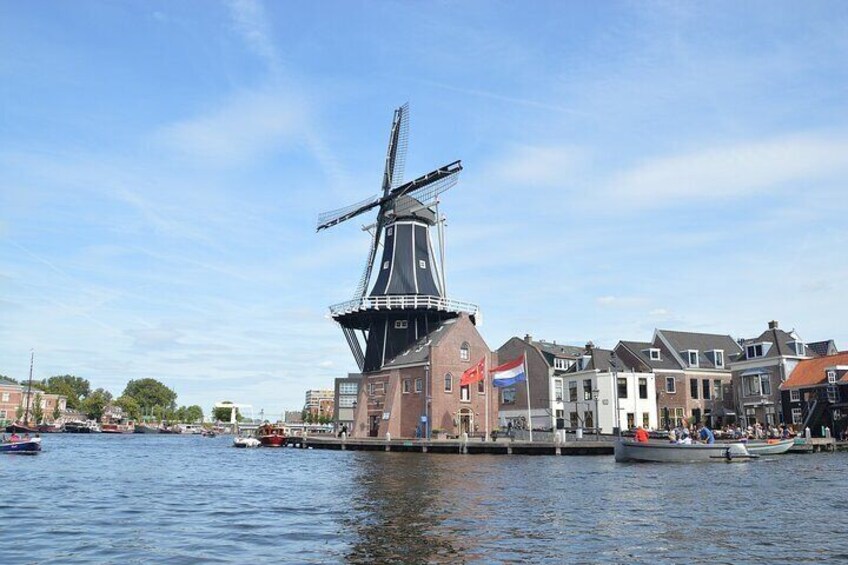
column 403, row 302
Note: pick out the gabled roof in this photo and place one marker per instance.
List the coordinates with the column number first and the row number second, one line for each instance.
column 811, row 372
column 596, row 359
column 419, row 352
column 702, row 342
column 822, row 348
column 639, row 349
column 780, row 345
column 557, row 350
column 7, row 382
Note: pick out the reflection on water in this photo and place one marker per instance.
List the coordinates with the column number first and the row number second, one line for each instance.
column 167, row 499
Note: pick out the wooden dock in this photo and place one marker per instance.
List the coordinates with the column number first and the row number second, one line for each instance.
column 472, row 447
column 815, row 445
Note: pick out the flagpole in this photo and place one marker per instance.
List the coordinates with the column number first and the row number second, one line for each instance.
column 527, row 382
column 486, row 384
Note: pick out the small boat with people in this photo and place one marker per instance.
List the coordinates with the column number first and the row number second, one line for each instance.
column 770, row 447
column 682, row 450
column 21, row 445
column 271, row 436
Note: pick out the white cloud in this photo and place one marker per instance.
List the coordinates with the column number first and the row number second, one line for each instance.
column 251, row 22
column 539, row 165
column 731, row 171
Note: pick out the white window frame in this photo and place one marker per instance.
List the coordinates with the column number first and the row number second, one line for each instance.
column 6, row 397
column 718, row 358
column 558, row 390
column 465, row 393
column 651, row 353
column 673, row 382
column 422, row 264
column 385, row 265
column 562, row 364
column 389, row 231
column 348, row 388
column 347, row 401
column 751, row 350
column 406, row 387
column 689, row 353
column 419, row 384
column 795, row 395
column 799, row 348
column 448, row 386
column 797, row 414
column 464, row 352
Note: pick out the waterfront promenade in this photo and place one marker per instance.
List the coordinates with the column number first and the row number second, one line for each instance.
column 503, row 446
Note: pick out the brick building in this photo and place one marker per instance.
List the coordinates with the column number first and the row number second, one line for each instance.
column 395, row 398
column 11, row 395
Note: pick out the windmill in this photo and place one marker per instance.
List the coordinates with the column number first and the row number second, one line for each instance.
column 407, row 299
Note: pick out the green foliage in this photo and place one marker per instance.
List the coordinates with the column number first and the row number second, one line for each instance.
column 8, row 379
column 74, row 388
column 94, row 404
column 56, row 411
column 131, row 408
column 150, row 394
column 193, row 414
column 37, row 410
column 223, row 414
column 19, row 413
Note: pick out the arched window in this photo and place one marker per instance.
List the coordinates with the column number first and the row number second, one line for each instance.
column 448, row 383
column 464, row 352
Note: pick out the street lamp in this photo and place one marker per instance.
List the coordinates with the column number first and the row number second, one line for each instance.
column 597, row 419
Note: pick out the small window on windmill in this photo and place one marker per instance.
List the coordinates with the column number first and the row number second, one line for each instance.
column 422, row 264
column 401, row 324
column 389, row 232
column 385, row 265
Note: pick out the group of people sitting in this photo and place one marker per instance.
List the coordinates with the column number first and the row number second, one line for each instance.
column 758, row 431
column 14, row 437
column 684, row 436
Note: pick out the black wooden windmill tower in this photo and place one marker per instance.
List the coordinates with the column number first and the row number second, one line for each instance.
column 407, row 300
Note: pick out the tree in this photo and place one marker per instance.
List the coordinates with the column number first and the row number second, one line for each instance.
column 180, row 414
column 56, row 412
column 19, row 413
column 95, row 403
column 37, row 410
column 150, row 393
column 4, row 377
column 194, row 414
column 223, row 414
column 131, row 408
column 69, row 386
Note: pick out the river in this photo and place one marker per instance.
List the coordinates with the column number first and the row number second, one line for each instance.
column 187, row 499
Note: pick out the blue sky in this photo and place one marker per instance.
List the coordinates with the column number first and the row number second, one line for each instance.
column 627, row 166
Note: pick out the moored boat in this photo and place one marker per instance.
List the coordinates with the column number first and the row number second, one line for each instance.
column 77, row 428
column 23, row 446
column 271, row 436
column 246, row 442
column 145, row 429
column 18, row 428
column 50, row 429
column 657, row 452
column 770, row 447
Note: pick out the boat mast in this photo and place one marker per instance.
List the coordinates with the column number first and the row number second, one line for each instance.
column 29, row 386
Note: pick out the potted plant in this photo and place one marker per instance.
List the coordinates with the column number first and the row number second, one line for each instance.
column 438, row 433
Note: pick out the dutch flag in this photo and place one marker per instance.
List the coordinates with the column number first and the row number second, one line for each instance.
column 509, row 373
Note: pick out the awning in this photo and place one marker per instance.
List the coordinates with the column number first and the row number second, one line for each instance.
column 756, row 371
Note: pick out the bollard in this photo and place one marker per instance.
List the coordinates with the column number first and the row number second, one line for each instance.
column 807, row 433
column 344, row 436
column 827, row 432
column 388, row 436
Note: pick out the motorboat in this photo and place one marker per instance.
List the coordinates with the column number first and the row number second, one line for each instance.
column 50, row 429
column 77, row 428
column 271, row 436
column 246, row 442
column 29, row 446
column 19, row 428
column 145, row 429
column 770, row 447
column 664, row 452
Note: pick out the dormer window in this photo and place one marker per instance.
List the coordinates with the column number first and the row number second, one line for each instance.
column 798, row 346
column 655, row 354
column 692, row 357
column 464, row 352
column 755, row 350
column 831, row 377
column 562, row 364
column 718, row 358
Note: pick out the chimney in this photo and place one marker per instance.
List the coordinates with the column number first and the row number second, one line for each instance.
column 528, row 338
column 589, row 346
column 773, row 325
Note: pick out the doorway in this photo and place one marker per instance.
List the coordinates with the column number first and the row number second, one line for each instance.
column 373, row 425
column 466, row 421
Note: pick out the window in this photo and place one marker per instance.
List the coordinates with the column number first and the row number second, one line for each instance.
column 751, row 385
column 622, row 387
column 831, row 377
column 379, row 387
column 481, row 386
column 422, row 264
column 646, row 420
column 587, row 389
column 589, row 419
column 385, row 265
column 717, row 392
column 508, row 395
column 796, row 416
column 765, row 385
column 575, row 420
column 795, row 395
column 670, row 385
column 631, row 420
column 419, row 384
column 718, row 358
column 464, row 352
column 754, row 351
column 407, row 386
column 370, row 389
column 572, row 391
column 401, row 324
column 348, row 388
column 558, row 390
column 346, row 401
column 643, row 388
column 389, row 231
column 678, row 416
column 464, row 395
column 798, row 347
column 5, row 397
column 655, row 354
column 705, row 389
column 692, row 356
column 562, row 364
column 448, row 383
column 2, row 414
column 693, row 388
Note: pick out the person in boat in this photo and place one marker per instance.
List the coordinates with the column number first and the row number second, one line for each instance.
column 641, row 435
column 14, row 437
column 672, row 436
column 706, row 435
column 685, row 439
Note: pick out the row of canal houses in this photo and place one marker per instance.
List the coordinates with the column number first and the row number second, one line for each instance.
column 774, row 378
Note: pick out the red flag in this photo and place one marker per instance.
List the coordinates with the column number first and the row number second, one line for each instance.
column 474, row 373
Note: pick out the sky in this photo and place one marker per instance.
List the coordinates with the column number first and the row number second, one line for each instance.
column 627, row 166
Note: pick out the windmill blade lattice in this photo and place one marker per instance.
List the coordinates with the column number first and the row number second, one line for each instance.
column 401, row 146
column 333, row 217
